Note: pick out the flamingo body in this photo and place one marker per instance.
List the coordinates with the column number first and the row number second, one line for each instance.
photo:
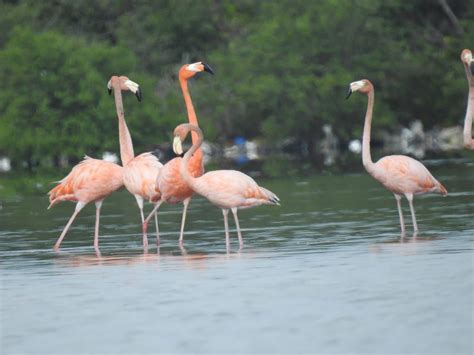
column 91, row 180
column 170, row 183
column 232, row 189
column 404, row 175
column 140, row 174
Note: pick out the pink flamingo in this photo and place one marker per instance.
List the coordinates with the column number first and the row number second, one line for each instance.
column 169, row 182
column 400, row 174
column 468, row 62
column 92, row 180
column 140, row 172
column 227, row 189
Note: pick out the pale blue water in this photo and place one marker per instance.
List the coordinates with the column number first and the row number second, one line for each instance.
column 327, row 272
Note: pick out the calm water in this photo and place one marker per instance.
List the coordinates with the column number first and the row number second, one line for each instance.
column 327, row 272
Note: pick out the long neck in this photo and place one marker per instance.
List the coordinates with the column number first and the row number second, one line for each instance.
column 183, row 168
column 467, row 132
column 192, row 118
column 366, row 158
column 126, row 145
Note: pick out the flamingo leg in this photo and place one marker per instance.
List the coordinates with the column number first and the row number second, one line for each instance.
column 98, row 205
column 157, row 229
column 225, row 212
column 147, row 220
column 183, row 219
column 236, row 219
column 412, row 210
column 140, row 206
column 79, row 207
column 400, row 212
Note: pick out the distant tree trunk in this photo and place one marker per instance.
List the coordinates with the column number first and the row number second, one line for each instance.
column 452, row 17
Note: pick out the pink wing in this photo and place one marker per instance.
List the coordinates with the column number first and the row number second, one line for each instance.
column 231, row 188
column 90, row 180
column 401, row 174
column 140, row 174
column 170, row 183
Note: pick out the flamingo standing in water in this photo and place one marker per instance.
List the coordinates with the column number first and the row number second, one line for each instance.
column 92, row 180
column 170, row 183
column 400, row 174
column 140, row 172
column 468, row 62
column 227, row 189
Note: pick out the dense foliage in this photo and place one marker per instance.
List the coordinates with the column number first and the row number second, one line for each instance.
column 282, row 68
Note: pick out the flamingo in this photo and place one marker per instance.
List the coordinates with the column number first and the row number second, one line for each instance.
column 169, row 182
column 139, row 172
column 227, row 189
column 399, row 174
column 92, row 180
column 468, row 62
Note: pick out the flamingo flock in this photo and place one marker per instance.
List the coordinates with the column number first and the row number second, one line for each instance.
column 147, row 179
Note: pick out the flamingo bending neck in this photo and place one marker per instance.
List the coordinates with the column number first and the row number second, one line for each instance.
column 183, row 168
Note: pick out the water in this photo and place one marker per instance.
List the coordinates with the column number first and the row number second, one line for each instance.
column 327, row 272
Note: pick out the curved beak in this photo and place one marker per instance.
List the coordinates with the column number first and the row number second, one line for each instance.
column 138, row 94
column 177, row 147
column 208, row 68
column 349, row 92
column 110, row 91
column 472, row 67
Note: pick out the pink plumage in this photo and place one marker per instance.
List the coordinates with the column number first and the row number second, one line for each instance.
column 91, row 180
column 400, row 174
column 227, row 189
column 139, row 172
column 169, row 182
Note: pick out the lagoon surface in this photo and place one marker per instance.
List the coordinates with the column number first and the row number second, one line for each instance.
column 327, row 272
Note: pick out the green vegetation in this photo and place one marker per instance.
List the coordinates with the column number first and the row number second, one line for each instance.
column 282, row 69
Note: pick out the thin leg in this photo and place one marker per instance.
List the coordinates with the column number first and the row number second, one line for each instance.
column 400, row 212
column 157, row 230
column 98, row 205
column 79, row 207
column 225, row 212
column 183, row 219
column 147, row 220
column 412, row 210
column 234, row 211
column 140, row 206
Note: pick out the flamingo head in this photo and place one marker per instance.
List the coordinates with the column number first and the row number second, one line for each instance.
column 363, row 86
column 180, row 134
column 466, row 58
column 125, row 84
column 187, row 71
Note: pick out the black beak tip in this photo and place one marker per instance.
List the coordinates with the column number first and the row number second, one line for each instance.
column 138, row 94
column 349, row 92
column 472, row 68
column 208, row 68
column 110, row 91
